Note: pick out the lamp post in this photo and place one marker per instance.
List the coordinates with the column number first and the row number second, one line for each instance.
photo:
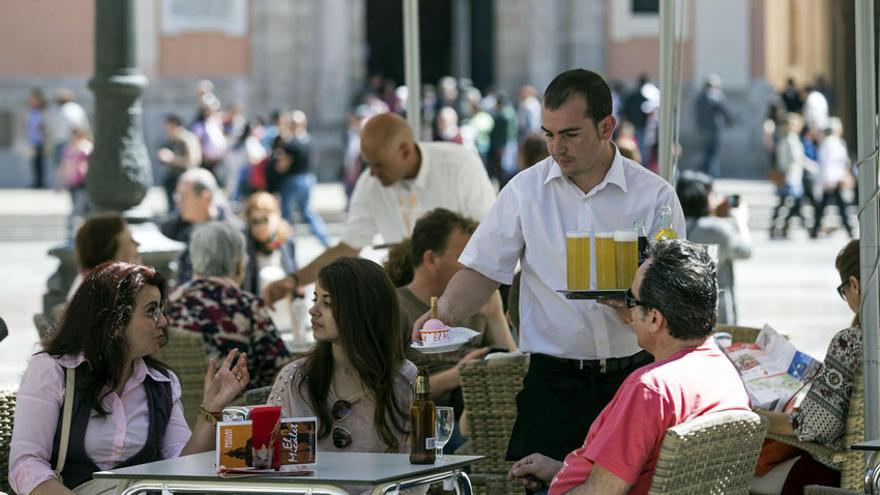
column 119, row 173
column 119, row 169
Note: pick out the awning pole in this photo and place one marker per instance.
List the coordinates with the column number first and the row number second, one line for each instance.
column 667, row 91
column 869, row 315
column 412, row 66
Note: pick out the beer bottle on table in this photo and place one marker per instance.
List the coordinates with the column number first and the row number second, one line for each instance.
column 639, row 227
column 423, row 420
column 666, row 231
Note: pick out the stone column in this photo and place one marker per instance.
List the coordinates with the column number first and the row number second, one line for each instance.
column 119, row 169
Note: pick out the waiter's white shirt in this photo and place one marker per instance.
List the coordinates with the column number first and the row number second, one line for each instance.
column 451, row 176
column 528, row 223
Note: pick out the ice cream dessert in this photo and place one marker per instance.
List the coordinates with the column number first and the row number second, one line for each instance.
column 434, row 331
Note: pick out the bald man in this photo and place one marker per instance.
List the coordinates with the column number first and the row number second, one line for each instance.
column 406, row 179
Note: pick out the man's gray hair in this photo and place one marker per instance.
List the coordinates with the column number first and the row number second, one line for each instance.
column 681, row 282
column 216, row 249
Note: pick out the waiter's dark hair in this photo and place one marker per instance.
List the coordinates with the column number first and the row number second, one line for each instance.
column 581, row 82
column 680, row 282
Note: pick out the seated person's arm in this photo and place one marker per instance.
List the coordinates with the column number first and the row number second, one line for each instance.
column 38, row 408
column 222, row 385
column 280, row 288
column 778, row 422
column 534, row 471
column 51, row 487
column 498, row 331
column 448, row 380
column 601, row 482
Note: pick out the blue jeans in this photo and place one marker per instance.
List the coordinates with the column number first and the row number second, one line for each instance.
column 711, row 145
column 296, row 189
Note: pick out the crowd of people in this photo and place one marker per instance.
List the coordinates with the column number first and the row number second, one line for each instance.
column 810, row 160
column 605, row 379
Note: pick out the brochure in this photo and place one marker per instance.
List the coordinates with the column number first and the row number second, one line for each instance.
column 772, row 369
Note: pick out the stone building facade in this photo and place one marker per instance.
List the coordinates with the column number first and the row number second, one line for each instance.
column 314, row 55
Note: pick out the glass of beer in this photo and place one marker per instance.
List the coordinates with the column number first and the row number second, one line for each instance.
column 606, row 261
column 577, row 259
column 626, row 243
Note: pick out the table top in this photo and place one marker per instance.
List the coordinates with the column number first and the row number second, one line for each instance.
column 355, row 468
column 869, row 445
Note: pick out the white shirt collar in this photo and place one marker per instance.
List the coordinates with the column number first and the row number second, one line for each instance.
column 421, row 179
column 140, row 368
column 615, row 174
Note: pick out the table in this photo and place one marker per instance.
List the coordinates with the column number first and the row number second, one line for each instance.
column 388, row 473
column 870, row 445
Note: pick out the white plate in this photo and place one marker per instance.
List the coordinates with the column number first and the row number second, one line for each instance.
column 458, row 336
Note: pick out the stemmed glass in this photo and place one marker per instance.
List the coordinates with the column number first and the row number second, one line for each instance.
column 445, row 424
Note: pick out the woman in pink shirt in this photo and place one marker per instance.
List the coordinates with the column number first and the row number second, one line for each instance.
column 126, row 407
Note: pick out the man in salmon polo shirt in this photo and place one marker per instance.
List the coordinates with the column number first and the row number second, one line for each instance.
column 671, row 307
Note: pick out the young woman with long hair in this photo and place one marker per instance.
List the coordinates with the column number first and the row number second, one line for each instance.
column 355, row 380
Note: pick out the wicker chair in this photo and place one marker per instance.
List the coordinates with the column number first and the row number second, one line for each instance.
column 185, row 355
column 7, row 416
column 489, row 389
column 827, row 490
column 850, row 462
column 714, row 453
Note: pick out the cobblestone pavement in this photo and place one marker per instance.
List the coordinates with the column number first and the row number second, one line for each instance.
column 787, row 283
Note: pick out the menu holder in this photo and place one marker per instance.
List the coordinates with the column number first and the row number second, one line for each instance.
column 593, row 294
column 298, row 439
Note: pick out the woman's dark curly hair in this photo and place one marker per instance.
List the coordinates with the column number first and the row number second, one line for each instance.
column 94, row 322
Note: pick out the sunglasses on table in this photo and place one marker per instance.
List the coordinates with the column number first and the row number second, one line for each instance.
column 342, row 438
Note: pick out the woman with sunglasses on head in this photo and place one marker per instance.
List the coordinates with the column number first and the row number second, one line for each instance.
column 270, row 241
column 355, row 379
column 125, row 406
column 821, row 416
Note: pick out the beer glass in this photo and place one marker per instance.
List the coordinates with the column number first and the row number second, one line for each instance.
column 577, row 259
column 606, row 261
column 626, row 243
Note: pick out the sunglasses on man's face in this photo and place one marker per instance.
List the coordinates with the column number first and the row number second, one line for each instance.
column 258, row 221
column 630, row 300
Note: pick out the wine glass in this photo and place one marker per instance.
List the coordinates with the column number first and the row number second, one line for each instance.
column 445, row 424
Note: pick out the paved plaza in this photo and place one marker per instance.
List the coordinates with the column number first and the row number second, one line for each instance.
column 788, row 284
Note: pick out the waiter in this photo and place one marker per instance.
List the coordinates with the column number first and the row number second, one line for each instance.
column 580, row 352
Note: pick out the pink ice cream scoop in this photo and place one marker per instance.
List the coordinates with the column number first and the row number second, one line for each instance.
column 434, row 331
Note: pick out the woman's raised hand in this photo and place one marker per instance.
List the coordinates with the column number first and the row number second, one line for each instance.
column 225, row 383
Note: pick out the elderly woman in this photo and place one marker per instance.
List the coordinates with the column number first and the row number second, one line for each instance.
column 124, row 406
column 214, row 304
